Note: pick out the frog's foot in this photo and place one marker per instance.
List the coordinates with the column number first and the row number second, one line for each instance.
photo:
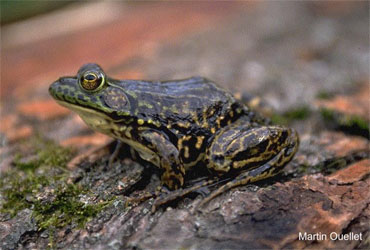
column 114, row 154
column 259, row 173
column 168, row 196
column 141, row 198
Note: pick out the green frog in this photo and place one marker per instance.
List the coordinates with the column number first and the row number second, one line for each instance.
column 180, row 125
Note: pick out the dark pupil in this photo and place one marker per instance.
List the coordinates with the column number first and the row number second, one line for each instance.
column 90, row 77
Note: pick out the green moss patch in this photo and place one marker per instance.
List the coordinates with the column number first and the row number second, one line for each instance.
column 65, row 208
column 43, row 152
column 351, row 124
column 40, row 182
column 324, row 95
column 299, row 113
column 18, row 191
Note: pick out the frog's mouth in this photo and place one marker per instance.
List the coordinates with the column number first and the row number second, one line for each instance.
column 85, row 111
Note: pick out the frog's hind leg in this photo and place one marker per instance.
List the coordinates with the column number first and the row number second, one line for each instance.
column 256, row 153
column 260, row 173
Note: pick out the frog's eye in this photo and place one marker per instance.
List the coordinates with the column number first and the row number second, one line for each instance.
column 91, row 81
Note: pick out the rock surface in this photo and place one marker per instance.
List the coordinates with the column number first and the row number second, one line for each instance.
column 309, row 64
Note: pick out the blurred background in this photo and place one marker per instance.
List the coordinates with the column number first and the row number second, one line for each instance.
column 288, row 53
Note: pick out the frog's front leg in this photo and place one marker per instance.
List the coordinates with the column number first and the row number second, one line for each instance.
column 255, row 153
column 168, row 155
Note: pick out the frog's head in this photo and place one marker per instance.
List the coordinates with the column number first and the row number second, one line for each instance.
column 92, row 95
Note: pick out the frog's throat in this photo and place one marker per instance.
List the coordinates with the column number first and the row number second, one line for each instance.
column 104, row 124
column 96, row 120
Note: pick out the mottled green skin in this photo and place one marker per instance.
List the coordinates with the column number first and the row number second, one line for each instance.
column 177, row 124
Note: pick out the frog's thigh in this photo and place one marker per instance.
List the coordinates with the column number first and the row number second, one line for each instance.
column 174, row 171
column 239, row 147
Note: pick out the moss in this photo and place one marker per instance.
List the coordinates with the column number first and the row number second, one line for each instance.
column 328, row 114
column 40, row 182
column 357, row 122
column 351, row 124
column 299, row 113
column 323, row 95
column 65, row 208
column 44, row 152
column 19, row 191
column 279, row 119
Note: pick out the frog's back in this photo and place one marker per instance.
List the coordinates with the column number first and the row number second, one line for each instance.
column 171, row 92
column 180, row 102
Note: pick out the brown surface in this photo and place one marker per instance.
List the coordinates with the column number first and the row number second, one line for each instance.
column 250, row 47
column 42, row 109
column 355, row 104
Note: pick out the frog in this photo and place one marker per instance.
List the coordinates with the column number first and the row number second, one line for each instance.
column 179, row 126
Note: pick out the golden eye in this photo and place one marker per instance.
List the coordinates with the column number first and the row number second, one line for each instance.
column 91, row 81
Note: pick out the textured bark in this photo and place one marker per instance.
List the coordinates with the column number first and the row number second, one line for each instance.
column 289, row 54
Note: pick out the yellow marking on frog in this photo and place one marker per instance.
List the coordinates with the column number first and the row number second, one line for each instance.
column 199, row 143
column 232, row 144
column 144, row 104
column 195, row 118
column 142, row 128
column 193, row 163
column 128, row 132
column 179, row 143
column 169, row 126
column 181, row 140
column 184, row 125
column 140, row 121
column 231, row 113
column 121, row 128
column 219, row 119
column 157, row 124
column 205, row 124
column 213, row 130
column 186, row 152
column 239, row 164
column 205, row 120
